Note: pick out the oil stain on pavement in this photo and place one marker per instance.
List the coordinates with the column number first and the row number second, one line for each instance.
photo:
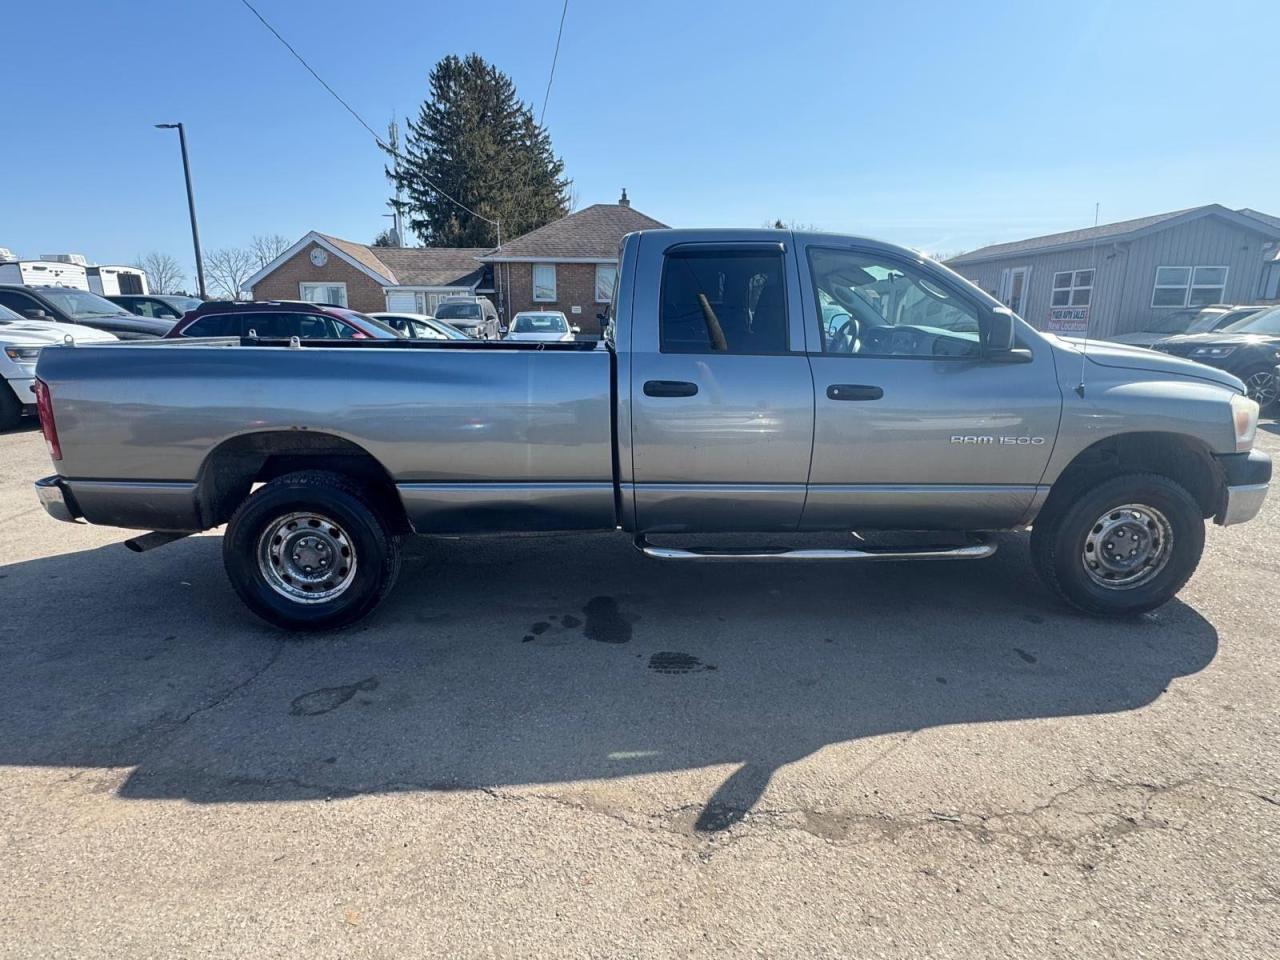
column 605, row 623
column 671, row 661
column 328, row 698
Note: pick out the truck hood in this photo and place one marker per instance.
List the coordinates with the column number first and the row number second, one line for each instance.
column 31, row 332
column 1125, row 357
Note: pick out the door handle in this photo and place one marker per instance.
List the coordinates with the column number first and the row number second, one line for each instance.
column 853, row 391
column 669, row 388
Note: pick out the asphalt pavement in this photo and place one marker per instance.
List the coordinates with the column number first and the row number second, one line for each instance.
column 555, row 747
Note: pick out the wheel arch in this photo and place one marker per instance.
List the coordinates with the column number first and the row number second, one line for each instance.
column 235, row 465
column 1184, row 459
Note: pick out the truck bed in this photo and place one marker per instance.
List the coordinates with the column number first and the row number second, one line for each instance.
column 469, row 434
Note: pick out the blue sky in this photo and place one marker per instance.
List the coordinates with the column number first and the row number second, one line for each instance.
column 943, row 126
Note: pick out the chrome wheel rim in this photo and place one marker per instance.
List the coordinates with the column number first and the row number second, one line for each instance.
column 306, row 558
column 1262, row 387
column 1127, row 547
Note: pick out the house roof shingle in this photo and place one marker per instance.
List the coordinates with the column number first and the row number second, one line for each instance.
column 417, row 266
column 432, row 266
column 1122, row 229
column 591, row 233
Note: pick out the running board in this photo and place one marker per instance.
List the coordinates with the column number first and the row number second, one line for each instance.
column 971, row 551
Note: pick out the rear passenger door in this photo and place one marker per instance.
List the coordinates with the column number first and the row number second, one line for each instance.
column 721, row 405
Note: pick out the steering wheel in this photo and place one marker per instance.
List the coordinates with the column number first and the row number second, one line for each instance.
column 846, row 337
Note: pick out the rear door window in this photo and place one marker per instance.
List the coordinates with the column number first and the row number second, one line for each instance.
column 215, row 325
column 723, row 301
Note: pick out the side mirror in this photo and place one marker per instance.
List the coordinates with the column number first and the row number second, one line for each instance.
column 35, row 314
column 575, row 329
column 998, row 337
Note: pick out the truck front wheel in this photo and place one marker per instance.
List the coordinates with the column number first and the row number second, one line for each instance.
column 308, row 551
column 1122, row 547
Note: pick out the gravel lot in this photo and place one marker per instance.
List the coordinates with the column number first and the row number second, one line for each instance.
column 555, row 747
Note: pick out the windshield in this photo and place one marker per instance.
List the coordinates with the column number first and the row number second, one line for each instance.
column 458, row 311
column 185, row 304
column 79, row 303
column 374, row 326
column 1268, row 322
column 448, row 332
column 1177, row 322
column 540, row 323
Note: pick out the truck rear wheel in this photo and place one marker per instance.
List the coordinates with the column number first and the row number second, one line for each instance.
column 308, row 551
column 1122, row 547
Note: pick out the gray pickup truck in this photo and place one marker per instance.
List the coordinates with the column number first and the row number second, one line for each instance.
column 750, row 381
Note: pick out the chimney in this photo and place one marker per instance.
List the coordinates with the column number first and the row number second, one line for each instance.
column 623, row 201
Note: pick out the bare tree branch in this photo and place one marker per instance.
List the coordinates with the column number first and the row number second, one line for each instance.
column 164, row 273
column 228, row 269
column 265, row 247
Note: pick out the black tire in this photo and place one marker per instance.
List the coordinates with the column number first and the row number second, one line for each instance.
column 376, row 550
column 1261, row 378
column 10, row 407
column 1062, row 533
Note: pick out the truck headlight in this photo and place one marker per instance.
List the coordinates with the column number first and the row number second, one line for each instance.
column 22, row 354
column 1244, row 415
column 1212, row 353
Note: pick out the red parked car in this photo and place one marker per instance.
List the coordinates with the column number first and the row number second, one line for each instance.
column 280, row 319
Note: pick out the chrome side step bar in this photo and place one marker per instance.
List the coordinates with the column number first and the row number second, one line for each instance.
column 971, row 551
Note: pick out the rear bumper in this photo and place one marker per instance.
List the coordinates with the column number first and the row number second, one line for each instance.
column 56, row 498
column 1248, row 478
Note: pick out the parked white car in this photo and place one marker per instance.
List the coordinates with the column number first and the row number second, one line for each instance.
column 20, row 343
column 547, row 326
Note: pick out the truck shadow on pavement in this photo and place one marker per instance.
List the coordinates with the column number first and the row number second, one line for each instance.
column 518, row 661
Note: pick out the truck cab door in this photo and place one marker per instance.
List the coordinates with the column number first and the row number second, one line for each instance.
column 916, row 426
column 720, row 395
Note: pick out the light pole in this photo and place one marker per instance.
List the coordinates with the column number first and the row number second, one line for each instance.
column 191, row 202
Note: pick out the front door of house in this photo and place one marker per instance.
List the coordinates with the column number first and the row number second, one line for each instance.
column 1013, row 293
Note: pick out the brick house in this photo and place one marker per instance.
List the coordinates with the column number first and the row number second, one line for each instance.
column 569, row 265
column 326, row 269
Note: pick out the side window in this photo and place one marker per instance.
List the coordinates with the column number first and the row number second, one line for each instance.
column 723, row 301
column 18, row 302
column 876, row 307
column 215, row 325
column 158, row 308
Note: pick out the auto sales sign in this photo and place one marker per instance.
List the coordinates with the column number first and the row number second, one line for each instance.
column 1068, row 320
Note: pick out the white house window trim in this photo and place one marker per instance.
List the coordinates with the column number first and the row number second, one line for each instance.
column 546, row 287
column 1076, row 286
column 1189, row 286
column 321, row 284
column 613, row 284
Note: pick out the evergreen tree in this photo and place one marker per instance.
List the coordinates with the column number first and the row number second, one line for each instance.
column 476, row 141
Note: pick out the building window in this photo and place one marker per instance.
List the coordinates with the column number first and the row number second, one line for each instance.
column 606, row 277
column 1072, row 288
column 1189, row 286
column 334, row 294
column 544, row 282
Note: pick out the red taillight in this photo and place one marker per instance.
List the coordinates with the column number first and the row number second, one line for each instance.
column 44, row 408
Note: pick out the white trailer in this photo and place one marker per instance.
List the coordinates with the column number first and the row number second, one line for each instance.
column 44, row 273
column 109, row 281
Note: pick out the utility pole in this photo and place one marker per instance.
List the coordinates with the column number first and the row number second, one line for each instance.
column 191, row 202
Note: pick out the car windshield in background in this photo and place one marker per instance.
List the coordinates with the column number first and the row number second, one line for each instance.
column 1267, row 322
column 185, row 304
column 79, row 303
column 372, row 322
column 458, row 311
column 1181, row 320
column 541, row 323
column 8, row 316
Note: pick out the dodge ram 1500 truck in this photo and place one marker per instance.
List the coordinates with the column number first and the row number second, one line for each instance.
column 750, row 381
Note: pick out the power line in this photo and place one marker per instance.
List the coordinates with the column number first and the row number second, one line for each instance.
column 360, row 120
column 554, row 57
